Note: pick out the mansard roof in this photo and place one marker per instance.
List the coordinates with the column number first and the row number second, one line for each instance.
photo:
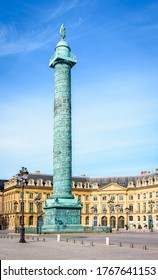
column 101, row 181
column 2, row 184
column 123, row 181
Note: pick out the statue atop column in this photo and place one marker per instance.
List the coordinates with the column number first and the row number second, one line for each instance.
column 63, row 31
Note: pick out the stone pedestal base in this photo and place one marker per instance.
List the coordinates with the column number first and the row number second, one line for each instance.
column 62, row 215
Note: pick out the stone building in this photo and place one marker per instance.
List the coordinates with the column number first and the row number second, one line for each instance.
column 1, row 201
column 120, row 202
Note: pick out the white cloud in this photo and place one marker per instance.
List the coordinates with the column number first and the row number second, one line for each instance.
column 38, row 35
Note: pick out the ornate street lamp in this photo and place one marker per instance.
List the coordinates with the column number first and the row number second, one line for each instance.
column 110, row 205
column 117, row 207
column 15, row 212
column 22, row 180
column 151, row 205
column 127, row 213
column 37, row 202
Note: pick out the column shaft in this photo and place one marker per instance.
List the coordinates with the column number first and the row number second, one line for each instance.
column 62, row 159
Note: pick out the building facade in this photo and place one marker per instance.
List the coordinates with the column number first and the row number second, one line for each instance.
column 119, row 202
column 1, row 201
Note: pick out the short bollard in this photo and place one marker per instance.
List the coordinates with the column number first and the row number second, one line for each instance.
column 82, row 242
column 44, row 240
column 145, row 247
column 11, row 237
column 132, row 245
column 27, row 237
column 67, row 240
column 74, row 240
column 92, row 244
column 107, row 241
column 58, row 237
column 120, row 244
column 37, row 238
column 32, row 238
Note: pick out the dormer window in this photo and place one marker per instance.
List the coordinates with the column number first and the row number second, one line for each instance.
column 86, row 185
column 39, row 182
column 156, row 180
column 144, row 183
column 48, row 183
column 139, row 183
column 130, row 184
column 95, row 185
column 31, row 182
column 150, row 181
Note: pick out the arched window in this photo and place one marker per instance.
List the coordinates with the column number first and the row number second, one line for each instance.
column 31, row 221
column 104, row 221
column 113, row 222
column 144, row 218
column 121, row 222
column 138, row 218
column 95, row 221
column 40, row 221
column 87, row 220
column 131, row 218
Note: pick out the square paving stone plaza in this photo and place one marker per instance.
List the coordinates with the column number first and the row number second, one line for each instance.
column 121, row 246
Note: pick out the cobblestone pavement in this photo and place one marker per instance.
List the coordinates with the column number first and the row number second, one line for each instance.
column 123, row 246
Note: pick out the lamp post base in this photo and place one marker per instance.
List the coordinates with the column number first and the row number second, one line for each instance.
column 22, row 235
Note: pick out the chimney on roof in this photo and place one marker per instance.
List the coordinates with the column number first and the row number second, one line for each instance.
column 37, row 172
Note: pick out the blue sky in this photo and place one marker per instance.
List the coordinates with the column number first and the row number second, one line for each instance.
column 114, row 84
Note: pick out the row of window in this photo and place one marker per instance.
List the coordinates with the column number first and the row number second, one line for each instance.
column 120, row 197
column 150, row 195
column 144, row 182
column 39, row 182
column 31, row 196
column 95, row 218
column 32, row 220
column 95, row 197
column 120, row 208
column 32, row 207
